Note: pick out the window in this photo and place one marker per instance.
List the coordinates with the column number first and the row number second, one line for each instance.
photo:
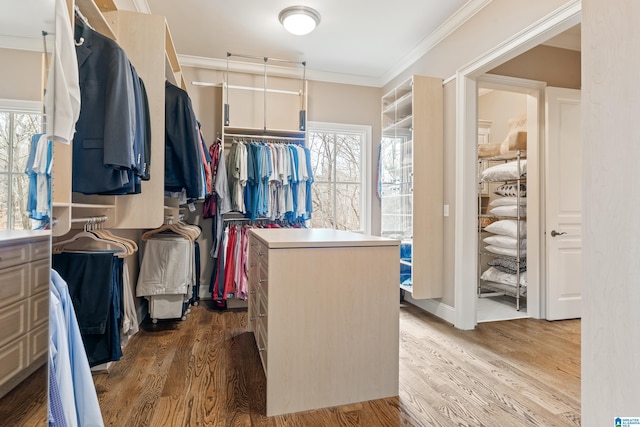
column 16, row 129
column 340, row 158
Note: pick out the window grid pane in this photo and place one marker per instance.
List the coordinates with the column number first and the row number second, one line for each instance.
column 5, row 140
column 25, row 125
column 20, row 192
column 337, row 161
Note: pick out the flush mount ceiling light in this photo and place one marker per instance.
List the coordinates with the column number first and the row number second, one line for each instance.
column 299, row 20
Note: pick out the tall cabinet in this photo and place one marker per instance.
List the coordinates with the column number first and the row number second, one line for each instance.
column 411, row 181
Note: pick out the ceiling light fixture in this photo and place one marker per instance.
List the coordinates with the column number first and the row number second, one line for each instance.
column 299, row 20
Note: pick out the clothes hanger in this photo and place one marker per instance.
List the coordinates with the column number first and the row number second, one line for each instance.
column 107, row 235
column 58, row 247
column 168, row 227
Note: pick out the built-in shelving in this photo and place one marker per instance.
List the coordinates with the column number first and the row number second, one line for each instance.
column 412, row 198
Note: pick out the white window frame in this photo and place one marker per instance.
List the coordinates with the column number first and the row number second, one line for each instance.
column 17, row 106
column 365, row 164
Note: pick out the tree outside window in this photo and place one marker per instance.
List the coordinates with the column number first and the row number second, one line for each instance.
column 16, row 130
column 339, row 161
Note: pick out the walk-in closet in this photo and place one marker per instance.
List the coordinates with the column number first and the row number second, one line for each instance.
column 212, row 216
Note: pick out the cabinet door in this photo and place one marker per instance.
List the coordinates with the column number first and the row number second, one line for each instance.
column 396, row 187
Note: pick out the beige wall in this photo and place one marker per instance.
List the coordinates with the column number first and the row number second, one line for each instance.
column 356, row 105
column 495, row 23
column 449, row 183
column 500, row 107
column 557, row 67
column 21, row 75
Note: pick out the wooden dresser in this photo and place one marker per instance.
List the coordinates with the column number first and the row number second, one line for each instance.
column 324, row 310
column 24, row 305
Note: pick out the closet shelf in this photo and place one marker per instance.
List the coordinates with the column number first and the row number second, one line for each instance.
column 404, row 101
column 523, row 217
column 94, row 14
column 231, row 131
column 494, row 255
column 489, row 181
column 402, row 123
column 511, row 290
column 406, row 288
column 506, row 157
column 91, row 206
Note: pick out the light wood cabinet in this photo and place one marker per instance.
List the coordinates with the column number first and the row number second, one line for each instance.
column 323, row 307
column 24, row 305
column 412, row 179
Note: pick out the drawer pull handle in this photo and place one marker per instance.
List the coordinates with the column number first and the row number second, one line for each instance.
column 262, row 315
column 252, row 292
column 261, row 349
column 262, row 280
column 260, row 253
column 251, row 319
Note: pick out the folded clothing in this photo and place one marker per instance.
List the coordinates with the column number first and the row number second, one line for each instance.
column 509, row 265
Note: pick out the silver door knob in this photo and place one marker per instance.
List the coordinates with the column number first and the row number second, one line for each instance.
column 554, row 233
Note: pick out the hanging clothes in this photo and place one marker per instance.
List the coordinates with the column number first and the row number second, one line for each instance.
column 63, row 86
column 169, row 270
column 68, row 362
column 108, row 148
column 183, row 158
column 95, row 285
column 38, row 171
column 270, row 180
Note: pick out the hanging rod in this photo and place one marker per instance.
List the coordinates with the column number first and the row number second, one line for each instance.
column 256, row 89
column 266, row 59
column 288, row 138
column 91, row 219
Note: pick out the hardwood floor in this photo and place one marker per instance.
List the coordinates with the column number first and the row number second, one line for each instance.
column 206, row 372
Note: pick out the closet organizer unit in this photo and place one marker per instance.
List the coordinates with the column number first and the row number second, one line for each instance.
column 265, row 107
column 502, row 227
column 147, row 42
column 411, row 181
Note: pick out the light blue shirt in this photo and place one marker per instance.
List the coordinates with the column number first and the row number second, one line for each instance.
column 66, row 350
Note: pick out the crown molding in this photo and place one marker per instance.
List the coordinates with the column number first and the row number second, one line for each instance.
column 276, row 70
column 461, row 16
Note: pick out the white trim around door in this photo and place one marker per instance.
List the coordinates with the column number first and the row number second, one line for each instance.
column 465, row 259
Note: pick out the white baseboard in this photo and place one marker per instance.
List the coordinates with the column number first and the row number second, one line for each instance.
column 435, row 307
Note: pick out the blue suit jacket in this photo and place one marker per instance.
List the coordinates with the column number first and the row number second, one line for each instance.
column 103, row 143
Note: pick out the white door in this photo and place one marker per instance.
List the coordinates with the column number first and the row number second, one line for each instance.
column 563, row 236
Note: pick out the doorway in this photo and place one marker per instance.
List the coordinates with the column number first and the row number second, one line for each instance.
column 512, row 106
column 465, row 257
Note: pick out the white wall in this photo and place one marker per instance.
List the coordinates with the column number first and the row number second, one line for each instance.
column 611, row 208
